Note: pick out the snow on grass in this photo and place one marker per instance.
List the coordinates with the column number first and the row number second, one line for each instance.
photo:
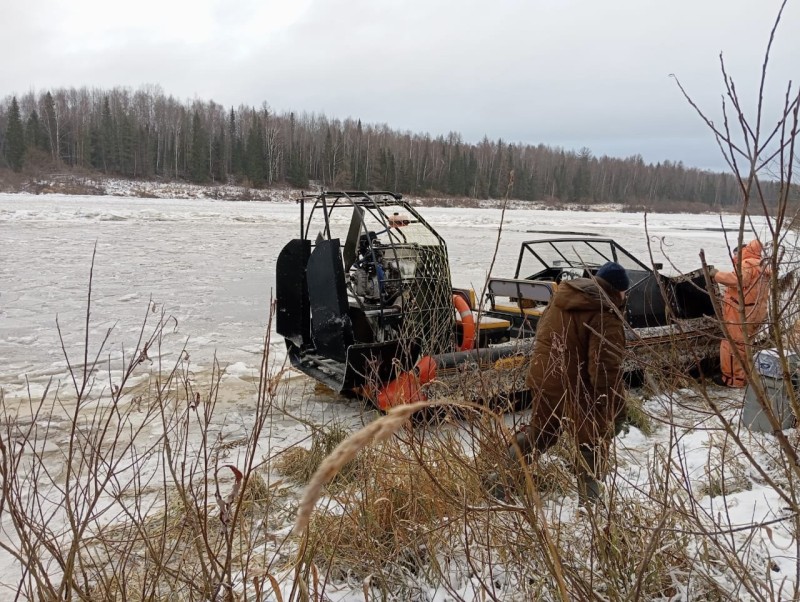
column 210, row 267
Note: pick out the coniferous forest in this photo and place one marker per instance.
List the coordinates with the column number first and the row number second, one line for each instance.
column 145, row 134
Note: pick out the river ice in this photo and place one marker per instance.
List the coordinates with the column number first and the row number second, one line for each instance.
column 210, row 265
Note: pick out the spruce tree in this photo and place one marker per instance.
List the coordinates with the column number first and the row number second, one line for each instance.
column 218, row 163
column 255, row 155
column 581, row 182
column 95, row 148
column 35, row 137
column 405, row 181
column 234, row 164
column 15, row 137
column 296, row 174
column 328, row 161
column 198, row 159
column 51, row 126
column 108, row 154
column 127, row 145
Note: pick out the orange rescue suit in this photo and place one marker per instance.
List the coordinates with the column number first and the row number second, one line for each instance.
column 755, row 291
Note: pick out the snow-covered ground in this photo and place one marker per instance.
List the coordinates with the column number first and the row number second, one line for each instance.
column 210, row 265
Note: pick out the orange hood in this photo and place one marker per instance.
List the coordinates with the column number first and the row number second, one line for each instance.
column 752, row 250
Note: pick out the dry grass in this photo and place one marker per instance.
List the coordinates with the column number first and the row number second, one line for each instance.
column 419, row 499
column 636, row 415
column 300, row 464
column 399, row 506
column 163, row 545
column 398, row 510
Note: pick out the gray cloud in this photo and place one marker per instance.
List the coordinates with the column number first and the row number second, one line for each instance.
column 567, row 73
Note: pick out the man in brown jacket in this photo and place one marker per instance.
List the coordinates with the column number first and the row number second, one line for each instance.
column 575, row 374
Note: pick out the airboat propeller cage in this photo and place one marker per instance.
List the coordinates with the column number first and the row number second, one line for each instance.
column 364, row 291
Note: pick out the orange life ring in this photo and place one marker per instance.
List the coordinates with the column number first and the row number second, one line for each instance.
column 467, row 323
column 407, row 388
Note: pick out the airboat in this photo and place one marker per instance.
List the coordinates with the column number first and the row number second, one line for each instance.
column 365, row 304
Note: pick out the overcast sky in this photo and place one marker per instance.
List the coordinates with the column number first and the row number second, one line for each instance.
column 568, row 73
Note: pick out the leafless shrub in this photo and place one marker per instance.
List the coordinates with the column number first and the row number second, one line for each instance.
column 111, row 492
column 138, row 493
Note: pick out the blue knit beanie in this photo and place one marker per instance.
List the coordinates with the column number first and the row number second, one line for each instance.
column 615, row 275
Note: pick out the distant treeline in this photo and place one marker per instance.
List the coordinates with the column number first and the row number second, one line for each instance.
column 146, row 134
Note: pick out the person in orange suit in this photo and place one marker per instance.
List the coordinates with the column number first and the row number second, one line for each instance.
column 754, row 283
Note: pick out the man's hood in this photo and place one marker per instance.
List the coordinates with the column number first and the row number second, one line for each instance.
column 583, row 294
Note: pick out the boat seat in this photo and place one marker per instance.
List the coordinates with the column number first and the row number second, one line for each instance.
column 515, row 288
column 491, row 323
column 469, row 296
column 520, row 311
column 520, row 297
column 492, row 330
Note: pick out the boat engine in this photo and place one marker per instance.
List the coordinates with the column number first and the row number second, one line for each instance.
column 366, row 279
column 380, row 270
column 368, row 276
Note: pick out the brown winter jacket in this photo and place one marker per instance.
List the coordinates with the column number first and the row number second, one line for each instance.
column 576, row 366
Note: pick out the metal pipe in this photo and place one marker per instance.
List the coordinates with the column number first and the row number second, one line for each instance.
column 484, row 355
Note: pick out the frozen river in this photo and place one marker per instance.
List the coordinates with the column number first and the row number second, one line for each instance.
column 210, row 265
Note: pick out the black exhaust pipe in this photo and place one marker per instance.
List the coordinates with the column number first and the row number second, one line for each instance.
column 482, row 356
